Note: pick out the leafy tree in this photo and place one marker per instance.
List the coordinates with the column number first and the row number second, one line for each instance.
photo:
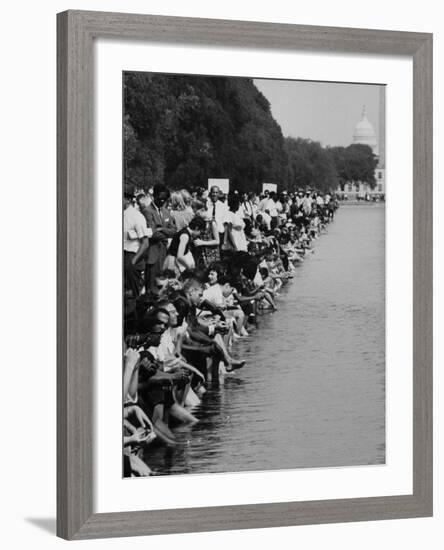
column 355, row 163
column 184, row 129
column 309, row 164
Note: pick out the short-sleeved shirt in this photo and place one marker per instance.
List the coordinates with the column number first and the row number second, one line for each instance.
column 134, row 229
column 237, row 230
column 266, row 218
column 214, row 295
column 268, row 204
column 219, row 212
column 166, row 347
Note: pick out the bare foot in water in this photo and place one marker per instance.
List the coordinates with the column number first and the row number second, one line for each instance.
column 164, row 433
column 181, row 414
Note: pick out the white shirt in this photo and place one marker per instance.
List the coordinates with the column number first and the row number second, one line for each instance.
column 237, row 230
column 214, row 295
column 266, row 218
column 219, row 211
column 306, row 204
column 258, row 281
column 166, row 347
column 262, row 204
column 134, row 229
column 270, row 205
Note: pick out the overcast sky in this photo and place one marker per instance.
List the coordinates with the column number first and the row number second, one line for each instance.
column 322, row 111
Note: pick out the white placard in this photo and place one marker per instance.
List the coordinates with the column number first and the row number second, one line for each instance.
column 223, row 184
column 271, row 187
column 111, row 492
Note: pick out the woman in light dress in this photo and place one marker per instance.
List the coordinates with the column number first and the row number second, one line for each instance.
column 235, row 234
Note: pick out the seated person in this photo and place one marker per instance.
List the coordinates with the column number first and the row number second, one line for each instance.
column 271, row 284
column 204, row 336
column 214, row 293
column 138, row 430
column 247, row 289
column 169, row 353
column 232, row 307
column 155, row 387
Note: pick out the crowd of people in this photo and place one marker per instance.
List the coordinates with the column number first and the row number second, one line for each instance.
column 199, row 270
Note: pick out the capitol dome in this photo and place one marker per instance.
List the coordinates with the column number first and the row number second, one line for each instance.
column 365, row 134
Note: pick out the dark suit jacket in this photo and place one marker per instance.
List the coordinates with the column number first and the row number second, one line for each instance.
column 163, row 227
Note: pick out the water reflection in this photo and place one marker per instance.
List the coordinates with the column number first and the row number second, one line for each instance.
column 313, row 391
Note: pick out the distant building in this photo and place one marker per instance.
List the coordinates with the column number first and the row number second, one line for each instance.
column 365, row 134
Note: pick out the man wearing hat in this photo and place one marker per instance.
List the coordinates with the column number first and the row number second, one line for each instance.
column 135, row 243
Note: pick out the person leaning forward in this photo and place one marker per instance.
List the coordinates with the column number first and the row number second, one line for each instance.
column 160, row 221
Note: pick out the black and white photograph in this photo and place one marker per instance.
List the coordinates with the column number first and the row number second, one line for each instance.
column 253, row 274
column 234, row 251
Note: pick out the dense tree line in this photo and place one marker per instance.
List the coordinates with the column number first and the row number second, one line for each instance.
column 181, row 130
column 354, row 163
column 309, row 164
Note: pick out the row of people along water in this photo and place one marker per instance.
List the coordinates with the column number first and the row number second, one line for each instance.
column 199, row 270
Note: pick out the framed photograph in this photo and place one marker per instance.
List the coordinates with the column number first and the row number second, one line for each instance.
column 248, row 341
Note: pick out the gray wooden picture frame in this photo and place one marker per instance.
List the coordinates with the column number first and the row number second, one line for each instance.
column 76, row 32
